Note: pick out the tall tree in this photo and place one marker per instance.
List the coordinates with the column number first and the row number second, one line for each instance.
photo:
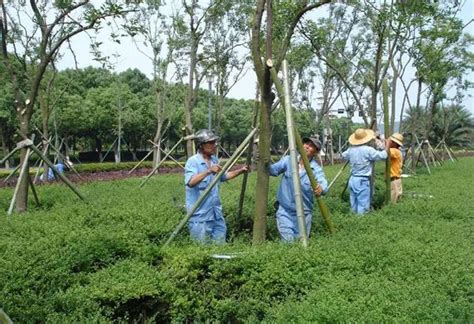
column 33, row 33
column 271, row 38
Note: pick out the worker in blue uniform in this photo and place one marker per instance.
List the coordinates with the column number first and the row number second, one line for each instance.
column 207, row 223
column 286, row 213
column 361, row 156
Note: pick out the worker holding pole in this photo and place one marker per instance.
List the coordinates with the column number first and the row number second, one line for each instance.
column 207, row 221
column 395, row 142
column 287, row 222
column 361, row 156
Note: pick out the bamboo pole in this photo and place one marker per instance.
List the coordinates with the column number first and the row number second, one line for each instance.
column 249, row 158
column 12, row 173
column 214, row 181
column 338, row 175
column 9, row 154
column 325, row 213
column 58, row 152
column 386, row 127
column 33, row 190
column 189, row 137
column 23, row 171
column 141, row 161
column 60, row 175
column 171, row 158
column 295, row 174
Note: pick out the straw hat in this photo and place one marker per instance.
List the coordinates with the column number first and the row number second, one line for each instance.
column 397, row 138
column 361, row 136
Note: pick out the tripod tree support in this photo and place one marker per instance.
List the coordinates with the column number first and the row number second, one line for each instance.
column 186, row 138
column 386, row 127
column 216, row 179
column 60, row 175
column 23, row 173
column 326, row 214
column 9, row 155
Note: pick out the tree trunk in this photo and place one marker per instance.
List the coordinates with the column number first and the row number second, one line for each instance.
column 21, row 203
column 394, row 96
column 45, row 121
column 263, row 181
column 5, row 148
column 413, row 126
column 159, row 127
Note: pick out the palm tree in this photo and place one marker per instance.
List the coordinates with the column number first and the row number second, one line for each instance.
column 453, row 123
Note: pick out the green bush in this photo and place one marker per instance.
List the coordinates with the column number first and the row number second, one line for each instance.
column 103, row 261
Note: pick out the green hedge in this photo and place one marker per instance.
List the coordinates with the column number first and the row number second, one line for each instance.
column 103, row 261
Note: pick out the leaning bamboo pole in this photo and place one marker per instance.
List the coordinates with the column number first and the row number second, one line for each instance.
column 295, row 174
column 216, row 179
column 386, row 126
column 325, row 213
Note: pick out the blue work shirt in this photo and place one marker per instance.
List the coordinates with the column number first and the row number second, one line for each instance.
column 286, row 192
column 211, row 207
column 361, row 158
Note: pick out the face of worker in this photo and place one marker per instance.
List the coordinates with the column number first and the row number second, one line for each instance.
column 209, row 148
column 310, row 149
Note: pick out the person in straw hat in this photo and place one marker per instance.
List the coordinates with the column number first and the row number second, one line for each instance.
column 395, row 142
column 287, row 223
column 361, row 155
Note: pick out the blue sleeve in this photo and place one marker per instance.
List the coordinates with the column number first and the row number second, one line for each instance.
column 279, row 167
column 345, row 155
column 374, row 155
column 320, row 177
column 190, row 170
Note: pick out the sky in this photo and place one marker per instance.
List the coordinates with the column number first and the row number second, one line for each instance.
column 126, row 55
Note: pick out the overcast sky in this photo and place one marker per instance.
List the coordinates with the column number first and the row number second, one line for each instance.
column 126, row 55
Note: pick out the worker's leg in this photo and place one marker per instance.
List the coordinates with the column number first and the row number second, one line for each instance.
column 219, row 230
column 363, row 197
column 286, row 225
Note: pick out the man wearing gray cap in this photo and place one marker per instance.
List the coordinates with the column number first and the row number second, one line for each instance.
column 286, row 214
column 207, row 222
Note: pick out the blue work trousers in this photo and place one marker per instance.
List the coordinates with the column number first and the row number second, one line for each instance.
column 287, row 224
column 360, row 194
column 208, row 231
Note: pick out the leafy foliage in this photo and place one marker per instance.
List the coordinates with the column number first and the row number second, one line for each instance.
column 68, row 261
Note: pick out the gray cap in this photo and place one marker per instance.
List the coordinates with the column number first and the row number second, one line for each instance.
column 205, row 135
column 313, row 140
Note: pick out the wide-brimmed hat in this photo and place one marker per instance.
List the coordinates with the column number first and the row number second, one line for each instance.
column 397, row 138
column 361, row 136
column 313, row 140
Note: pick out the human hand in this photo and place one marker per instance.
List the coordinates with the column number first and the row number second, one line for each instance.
column 215, row 168
column 318, row 191
column 244, row 169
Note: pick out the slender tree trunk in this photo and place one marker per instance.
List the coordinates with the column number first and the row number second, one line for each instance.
column 413, row 126
column 263, row 181
column 5, row 147
column 21, row 203
column 159, row 127
column 190, row 97
column 394, row 96
column 45, row 122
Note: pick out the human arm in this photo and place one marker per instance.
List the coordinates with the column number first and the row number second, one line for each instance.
column 322, row 187
column 232, row 174
column 279, row 167
column 191, row 175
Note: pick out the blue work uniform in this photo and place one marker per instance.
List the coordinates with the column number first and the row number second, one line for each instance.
column 287, row 222
column 361, row 158
column 51, row 176
column 207, row 222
